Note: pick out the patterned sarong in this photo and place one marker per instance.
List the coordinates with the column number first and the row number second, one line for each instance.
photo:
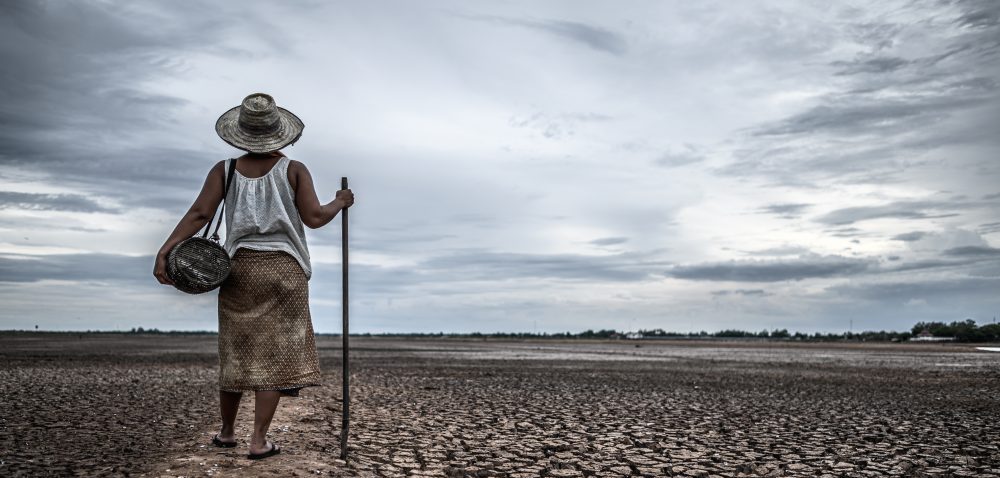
column 266, row 337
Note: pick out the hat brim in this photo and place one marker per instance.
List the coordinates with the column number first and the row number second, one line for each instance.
column 289, row 130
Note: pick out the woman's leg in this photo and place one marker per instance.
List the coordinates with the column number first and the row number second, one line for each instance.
column 229, row 405
column 265, row 405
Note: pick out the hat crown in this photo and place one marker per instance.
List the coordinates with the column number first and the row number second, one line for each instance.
column 258, row 125
column 259, row 114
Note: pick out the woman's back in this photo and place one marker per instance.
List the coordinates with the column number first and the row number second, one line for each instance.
column 257, row 166
column 261, row 213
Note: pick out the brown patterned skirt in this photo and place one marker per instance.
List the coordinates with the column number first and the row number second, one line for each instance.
column 266, row 337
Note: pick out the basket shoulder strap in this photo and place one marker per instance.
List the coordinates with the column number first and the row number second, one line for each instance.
column 225, row 194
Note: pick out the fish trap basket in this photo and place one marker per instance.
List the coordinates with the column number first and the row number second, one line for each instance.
column 198, row 265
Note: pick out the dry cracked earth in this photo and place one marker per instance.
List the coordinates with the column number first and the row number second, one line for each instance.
column 146, row 405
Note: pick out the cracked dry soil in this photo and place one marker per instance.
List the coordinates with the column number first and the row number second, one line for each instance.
column 146, row 405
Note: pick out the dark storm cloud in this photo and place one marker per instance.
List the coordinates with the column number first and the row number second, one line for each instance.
column 51, row 202
column 909, row 236
column 773, row 270
column 75, row 267
column 591, row 36
column 72, row 109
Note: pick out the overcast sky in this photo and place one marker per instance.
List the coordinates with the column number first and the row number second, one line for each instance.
column 520, row 166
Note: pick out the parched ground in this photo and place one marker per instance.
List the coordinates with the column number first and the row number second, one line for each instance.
column 146, row 405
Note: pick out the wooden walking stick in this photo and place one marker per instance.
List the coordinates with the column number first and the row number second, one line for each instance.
column 345, row 410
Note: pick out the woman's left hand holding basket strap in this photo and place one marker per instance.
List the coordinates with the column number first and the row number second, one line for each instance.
column 202, row 212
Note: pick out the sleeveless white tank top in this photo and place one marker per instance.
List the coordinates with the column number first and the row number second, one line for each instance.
column 263, row 215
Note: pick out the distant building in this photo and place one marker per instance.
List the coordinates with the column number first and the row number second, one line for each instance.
column 926, row 336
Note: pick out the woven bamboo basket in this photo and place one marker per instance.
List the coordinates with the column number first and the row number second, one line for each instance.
column 198, row 265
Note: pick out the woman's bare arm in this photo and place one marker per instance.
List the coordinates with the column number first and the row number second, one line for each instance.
column 314, row 214
column 200, row 212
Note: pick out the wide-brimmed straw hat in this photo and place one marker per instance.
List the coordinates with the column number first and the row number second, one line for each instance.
column 258, row 125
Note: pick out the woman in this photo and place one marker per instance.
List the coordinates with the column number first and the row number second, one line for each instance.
column 266, row 341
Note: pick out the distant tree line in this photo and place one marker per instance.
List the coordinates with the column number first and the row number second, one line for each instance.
column 960, row 331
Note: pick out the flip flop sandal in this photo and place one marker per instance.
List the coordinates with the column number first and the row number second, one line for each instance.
column 221, row 444
column 273, row 451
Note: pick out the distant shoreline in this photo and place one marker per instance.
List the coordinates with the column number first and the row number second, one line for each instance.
column 752, row 342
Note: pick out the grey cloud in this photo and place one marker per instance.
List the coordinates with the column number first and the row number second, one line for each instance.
column 877, row 36
column 785, row 250
column 76, row 267
column 594, row 37
column 896, row 210
column 742, row 292
column 815, row 266
column 688, row 154
column 921, row 265
column 954, row 290
column 864, row 115
column 981, row 14
column 609, row 241
column 879, row 64
column 892, row 107
column 673, row 160
column 154, row 177
column 72, row 110
column 444, row 275
column 989, row 227
column 909, row 236
column 973, row 251
column 371, row 281
column 959, row 259
column 557, row 125
column 486, row 265
column 846, row 232
column 787, row 210
column 51, row 202
column 773, row 270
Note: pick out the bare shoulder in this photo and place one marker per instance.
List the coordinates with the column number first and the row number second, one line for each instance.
column 218, row 170
column 296, row 172
column 296, row 167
